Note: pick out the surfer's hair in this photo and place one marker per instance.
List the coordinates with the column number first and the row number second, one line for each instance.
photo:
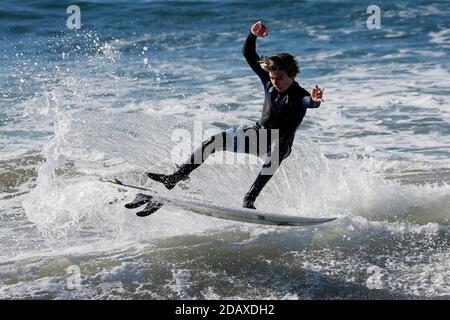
column 280, row 62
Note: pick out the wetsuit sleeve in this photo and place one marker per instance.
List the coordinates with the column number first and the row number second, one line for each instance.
column 296, row 118
column 308, row 102
column 249, row 52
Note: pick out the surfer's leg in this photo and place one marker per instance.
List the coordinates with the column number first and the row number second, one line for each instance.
column 241, row 140
column 272, row 163
column 209, row 146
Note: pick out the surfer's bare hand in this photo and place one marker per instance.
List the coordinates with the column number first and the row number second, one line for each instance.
column 317, row 93
column 259, row 29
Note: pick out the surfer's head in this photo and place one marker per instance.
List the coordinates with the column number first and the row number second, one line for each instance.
column 282, row 69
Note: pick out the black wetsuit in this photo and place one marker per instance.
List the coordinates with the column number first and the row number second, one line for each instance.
column 281, row 111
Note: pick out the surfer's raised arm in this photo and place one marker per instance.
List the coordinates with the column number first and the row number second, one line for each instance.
column 249, row 50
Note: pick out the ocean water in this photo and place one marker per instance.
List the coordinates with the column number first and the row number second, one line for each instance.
column 105, row 100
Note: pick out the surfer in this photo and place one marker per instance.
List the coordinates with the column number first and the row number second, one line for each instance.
column 285, row 105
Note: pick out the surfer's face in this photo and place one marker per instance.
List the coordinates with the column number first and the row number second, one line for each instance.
column 280, row 80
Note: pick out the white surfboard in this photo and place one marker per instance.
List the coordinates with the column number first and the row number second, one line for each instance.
column 228, row 213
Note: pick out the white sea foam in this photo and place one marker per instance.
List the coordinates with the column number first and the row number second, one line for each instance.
column 441, row 37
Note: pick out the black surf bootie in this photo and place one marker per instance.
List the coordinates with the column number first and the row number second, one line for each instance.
column 250, row 197
column 171, row 180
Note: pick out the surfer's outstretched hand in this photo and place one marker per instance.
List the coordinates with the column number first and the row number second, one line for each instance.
column 317, row 93
column 259, row 29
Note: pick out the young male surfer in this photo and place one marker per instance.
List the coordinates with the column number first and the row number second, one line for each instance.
column 285, row 105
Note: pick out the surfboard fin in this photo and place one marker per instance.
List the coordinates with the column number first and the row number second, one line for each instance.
column 151, row 207
column 140, row 200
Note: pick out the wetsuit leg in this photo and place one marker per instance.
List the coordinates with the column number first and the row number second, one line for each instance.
column 196, row 159
column 275, row 156
column 239, row 140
